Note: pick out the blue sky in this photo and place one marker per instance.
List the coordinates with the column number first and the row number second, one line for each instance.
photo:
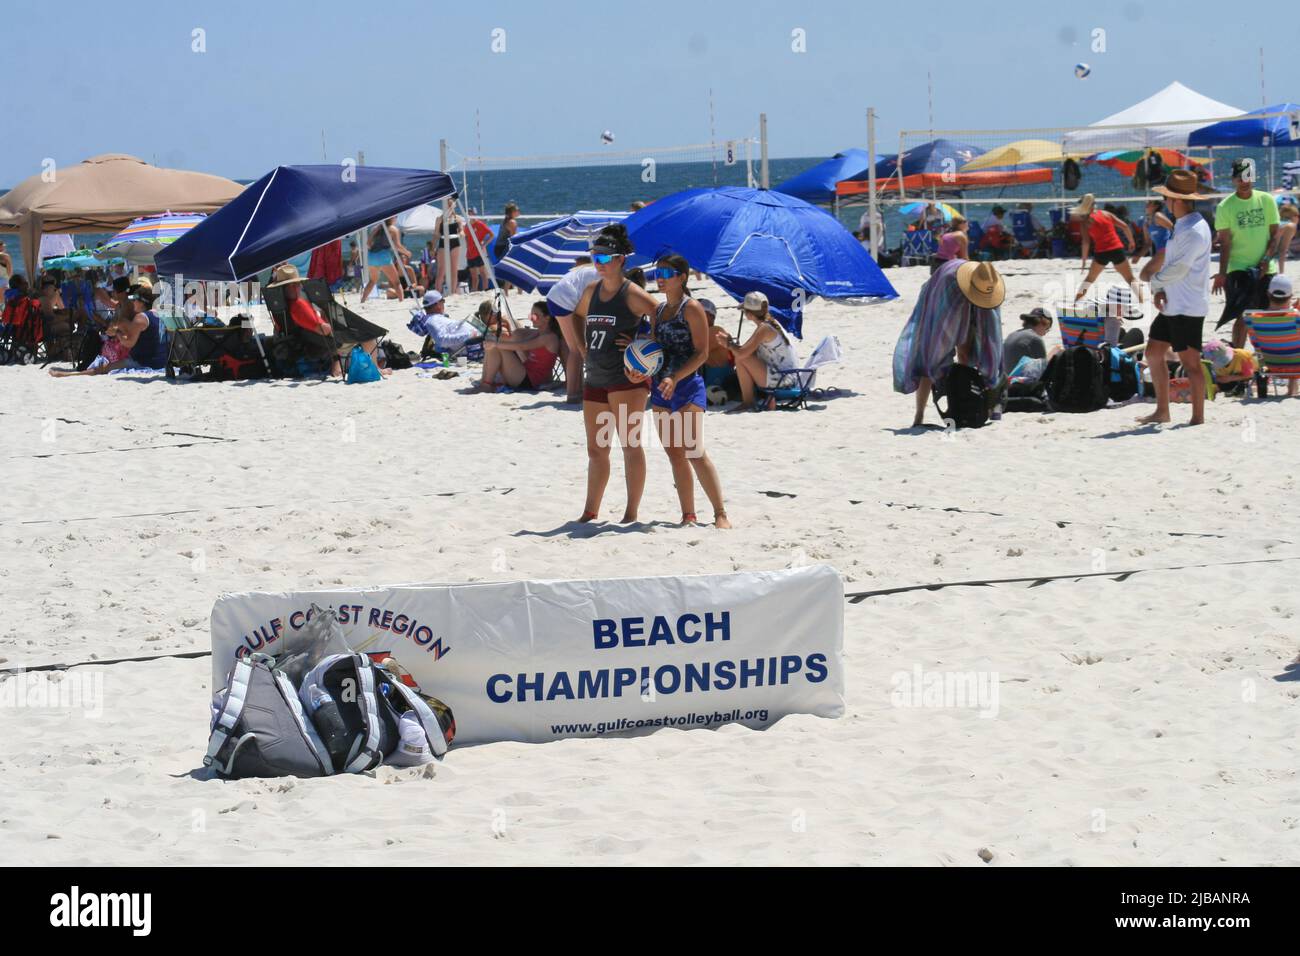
column 393, row 77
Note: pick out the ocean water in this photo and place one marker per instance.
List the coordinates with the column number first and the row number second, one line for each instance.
column 557, row 191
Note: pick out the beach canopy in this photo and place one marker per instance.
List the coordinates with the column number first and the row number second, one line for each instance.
column 104, row 194
column 539, row 257
column 817, row 185
column 1022, row 152
column 422, row 220
column 755, row 240
column 146, row 237
column 292, row 210
column 939, row 166
column 1167, row 118
column 1261, row 130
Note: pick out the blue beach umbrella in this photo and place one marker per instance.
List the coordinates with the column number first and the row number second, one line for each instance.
column 539, row 257
column 755, row 240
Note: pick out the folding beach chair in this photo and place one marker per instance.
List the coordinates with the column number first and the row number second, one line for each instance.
column 1022, row 228
column 794, row 386
column 1081, row 325
column 918, row 246
column 289, row 341
column 1276, row 337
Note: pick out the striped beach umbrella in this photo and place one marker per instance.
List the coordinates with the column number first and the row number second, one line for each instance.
column 146, row 237
column 539, row 257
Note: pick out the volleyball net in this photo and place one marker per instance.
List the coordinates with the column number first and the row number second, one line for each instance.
column 1051, row 166
column 545, row 186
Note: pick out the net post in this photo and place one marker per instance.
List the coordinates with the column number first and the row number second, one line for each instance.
column 444, row 227
column 762, row 132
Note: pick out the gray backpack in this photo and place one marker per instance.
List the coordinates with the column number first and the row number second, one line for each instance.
column 260, row 729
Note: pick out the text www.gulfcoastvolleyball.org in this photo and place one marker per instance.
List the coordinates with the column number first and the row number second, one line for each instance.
column 686, row 720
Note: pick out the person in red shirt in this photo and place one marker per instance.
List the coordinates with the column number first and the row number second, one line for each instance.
column 314, row 331
column 1100, row 232
column 478, row 279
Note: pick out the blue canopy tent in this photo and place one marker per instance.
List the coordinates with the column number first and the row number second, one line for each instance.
column 1255, row 128
column 294, row 209
column 755, row 240
column 817, row 185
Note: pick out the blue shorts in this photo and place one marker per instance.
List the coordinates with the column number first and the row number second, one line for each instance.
column 689, row 392
column 380, row 257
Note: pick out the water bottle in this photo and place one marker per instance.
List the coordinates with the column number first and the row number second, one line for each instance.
column 318, row 695
column 329, row 725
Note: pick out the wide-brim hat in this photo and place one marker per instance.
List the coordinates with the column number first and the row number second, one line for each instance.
column 1086, row 205
column 1180, row 184
column 981, row 284
column 284, row 274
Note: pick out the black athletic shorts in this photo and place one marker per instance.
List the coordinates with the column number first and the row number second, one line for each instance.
column 1112, row 257
column 1244, row 289
column 1180, row 331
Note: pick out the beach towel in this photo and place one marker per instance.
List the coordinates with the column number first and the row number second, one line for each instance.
column 327, row 262
column 942, row 319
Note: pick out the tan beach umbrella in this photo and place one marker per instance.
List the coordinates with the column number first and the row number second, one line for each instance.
column 104, row 194
column 1023, row 152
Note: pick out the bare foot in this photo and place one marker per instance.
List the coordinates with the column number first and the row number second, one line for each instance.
column 918, row 422
column 720, row 520
column 1153, row 419
column 588, row 517
column 629, row 517
column 1196, row 421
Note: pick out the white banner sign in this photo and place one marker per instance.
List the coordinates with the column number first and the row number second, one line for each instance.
column 540, row 660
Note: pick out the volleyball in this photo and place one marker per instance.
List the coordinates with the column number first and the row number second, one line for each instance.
column 644, row 357
column 1081, row 70
column 607, row 137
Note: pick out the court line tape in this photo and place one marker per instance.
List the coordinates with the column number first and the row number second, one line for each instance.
column 852, row 597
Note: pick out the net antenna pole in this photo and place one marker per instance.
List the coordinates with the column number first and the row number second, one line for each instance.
column 363, row 244
column 762, row 146
column 444, row 227
column 713, row 150
column 872, row 204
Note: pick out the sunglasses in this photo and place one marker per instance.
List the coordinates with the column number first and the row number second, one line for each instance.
column 667, row 272
column 601, row 258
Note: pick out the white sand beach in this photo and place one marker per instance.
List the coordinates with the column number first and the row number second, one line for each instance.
column 1149, row 720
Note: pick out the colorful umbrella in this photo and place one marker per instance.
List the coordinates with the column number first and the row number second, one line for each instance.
column 146, row 237
column 1125, row 160
column 539, row 257
column 914, row 208
column 1020, row 153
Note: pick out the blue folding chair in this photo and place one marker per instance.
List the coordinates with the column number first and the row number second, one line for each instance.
column 918, row 246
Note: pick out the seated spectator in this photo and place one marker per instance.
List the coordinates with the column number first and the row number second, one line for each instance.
column 526, row 359
column 1119, row 308
column 766, row 352
column 1229, row 364
column 1281, row 298
column 137, row 328
column 719, row 368
column 1028, row 340
column 311, row 331
column 953, row 244
column 442, row 335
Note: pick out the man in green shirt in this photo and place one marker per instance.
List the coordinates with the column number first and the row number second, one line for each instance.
column 1246, row 223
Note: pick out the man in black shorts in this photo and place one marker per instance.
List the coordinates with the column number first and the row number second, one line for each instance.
column 1182, row 294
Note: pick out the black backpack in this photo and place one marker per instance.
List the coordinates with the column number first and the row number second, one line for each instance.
column 396, row 355
column 1070, row 174
column 1123, row 379
column 1076, row 381
column 968, row 400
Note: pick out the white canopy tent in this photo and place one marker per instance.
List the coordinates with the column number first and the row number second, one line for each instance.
column 1165, row 119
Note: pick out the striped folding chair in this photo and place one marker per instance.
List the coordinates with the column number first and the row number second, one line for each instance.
column 1081, row 325
column 918, row 246
column 1276, row 337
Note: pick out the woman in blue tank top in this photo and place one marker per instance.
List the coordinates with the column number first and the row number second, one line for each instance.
column 681, row 327
column 609, row 313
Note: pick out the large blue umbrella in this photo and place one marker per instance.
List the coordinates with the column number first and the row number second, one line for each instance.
column 294, row 209
column 1247, row 131
column 755, row 240
column 539, row 257
column 817, row 185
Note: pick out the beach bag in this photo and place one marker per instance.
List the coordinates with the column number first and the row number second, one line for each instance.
column 259, row 728
column 1123, row 378
column 357, row 709
column 1070, row 174
column 397, row 357
column 968, row 403
column 1076, row 381
column 361, row 367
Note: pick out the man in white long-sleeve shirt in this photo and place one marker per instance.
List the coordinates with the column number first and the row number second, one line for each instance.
column 1182, row 294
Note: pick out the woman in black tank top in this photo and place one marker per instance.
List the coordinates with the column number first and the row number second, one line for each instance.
column 613, row 408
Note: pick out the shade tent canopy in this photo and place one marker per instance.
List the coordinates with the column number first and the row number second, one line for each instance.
column 1022, row 152
column 422, row 220
column 754, row 240
column 938, row 166
column 817, row 185
column 104, row 194
column 1255, row 128
column 1167, row 118
column 294, row 209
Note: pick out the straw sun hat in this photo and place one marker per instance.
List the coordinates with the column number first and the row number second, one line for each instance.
column 980, row 283
column 1180, row 184
column 284, row 274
